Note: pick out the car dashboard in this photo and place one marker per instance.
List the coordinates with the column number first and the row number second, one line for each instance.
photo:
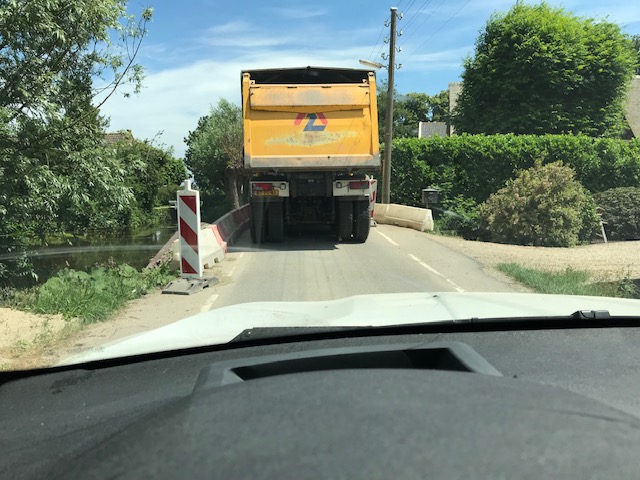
column 545, row 403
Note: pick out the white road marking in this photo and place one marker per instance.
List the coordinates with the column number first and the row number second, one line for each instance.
column 387, row 238
column 235, row 264
column 434, row 271
column 207, row 306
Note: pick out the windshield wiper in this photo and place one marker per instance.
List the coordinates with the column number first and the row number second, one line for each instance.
column 591, row 314
column 578, row 319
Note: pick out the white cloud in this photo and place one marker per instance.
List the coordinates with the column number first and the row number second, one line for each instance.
column 298, row 14
column 239, row 34
column 174, row 99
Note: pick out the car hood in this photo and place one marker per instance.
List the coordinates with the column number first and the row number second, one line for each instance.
column 224, row 324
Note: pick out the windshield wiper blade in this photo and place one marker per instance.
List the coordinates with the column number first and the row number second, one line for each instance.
column 578, row 319
column 591, row 315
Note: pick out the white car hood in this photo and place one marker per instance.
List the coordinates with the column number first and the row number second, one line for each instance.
column 224, row 324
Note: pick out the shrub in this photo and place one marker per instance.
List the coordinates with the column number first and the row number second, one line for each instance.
column 544, row 205
column 459, row 216
column 621, row 212
column 92, row 296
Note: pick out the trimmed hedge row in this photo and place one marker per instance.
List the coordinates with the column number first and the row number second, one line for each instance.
column 469, row 168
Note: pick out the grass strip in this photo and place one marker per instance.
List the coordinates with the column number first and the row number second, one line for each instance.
column 89, row 296
column 568, row 282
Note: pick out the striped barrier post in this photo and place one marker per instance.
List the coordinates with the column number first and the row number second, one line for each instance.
column 189, row 231
column 372, row 197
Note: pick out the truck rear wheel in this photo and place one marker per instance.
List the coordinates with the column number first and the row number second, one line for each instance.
column 275, row 226
column 361, row 221
column 256, row 225
column 345, row 221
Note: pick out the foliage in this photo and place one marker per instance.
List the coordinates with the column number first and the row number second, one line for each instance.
column 51, row 48
column 462, row 218
column 544, row 205
column 94, row 295
column 635, row 41
column 411, row 109
column 568, row 282
column 620, row 212
column 153, row 175
column 408, row 173
column 539, row 69
column 214, row 151
column 468, row 168
column 55, row 173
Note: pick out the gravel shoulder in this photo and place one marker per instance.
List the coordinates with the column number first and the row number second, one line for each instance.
column 605, row 261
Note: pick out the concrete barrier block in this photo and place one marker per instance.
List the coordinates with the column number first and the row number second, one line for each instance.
column 211, row 251
column 175, row 258
column 216, row 232
column 380, row 212
column 419, row 219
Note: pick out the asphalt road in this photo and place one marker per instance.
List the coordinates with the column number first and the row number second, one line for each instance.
column 309, row 265
column 312, row 265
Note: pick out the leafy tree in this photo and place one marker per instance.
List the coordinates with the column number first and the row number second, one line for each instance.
column 214, row 151
column 55, row 172
column 539, row 69
column 635, row 42
column 411, row 109
column 152, row 174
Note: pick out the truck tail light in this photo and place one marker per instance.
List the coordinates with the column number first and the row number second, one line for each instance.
column 262, row 186
column 359, row 185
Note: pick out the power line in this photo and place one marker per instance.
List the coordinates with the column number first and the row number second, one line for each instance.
column 425, row 4
column 419, row 27
column 440, row 28
column 409, row 7
column 370, row 57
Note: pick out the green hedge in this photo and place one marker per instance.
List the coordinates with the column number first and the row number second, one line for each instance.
column 472, row 167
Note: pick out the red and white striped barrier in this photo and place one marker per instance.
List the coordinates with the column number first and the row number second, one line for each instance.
column 214, row 239
column 189, row 231
column 372, row 196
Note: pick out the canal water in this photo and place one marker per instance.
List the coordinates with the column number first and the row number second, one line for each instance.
column 133, row 248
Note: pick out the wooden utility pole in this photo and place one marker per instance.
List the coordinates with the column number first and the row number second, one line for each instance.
column 388, row 129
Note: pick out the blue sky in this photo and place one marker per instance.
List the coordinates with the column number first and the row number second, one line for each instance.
column 195, row 49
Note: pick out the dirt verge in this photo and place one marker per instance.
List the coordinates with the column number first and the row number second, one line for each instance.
column 605, row 261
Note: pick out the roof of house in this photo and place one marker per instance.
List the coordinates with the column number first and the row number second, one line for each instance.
column 112, row 138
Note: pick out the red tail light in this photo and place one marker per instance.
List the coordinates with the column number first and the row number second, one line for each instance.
column 262, row 186
column 359, row 185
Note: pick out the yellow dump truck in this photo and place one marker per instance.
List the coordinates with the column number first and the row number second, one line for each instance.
column 310, row 144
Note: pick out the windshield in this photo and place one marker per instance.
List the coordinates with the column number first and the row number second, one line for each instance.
column 181, row 161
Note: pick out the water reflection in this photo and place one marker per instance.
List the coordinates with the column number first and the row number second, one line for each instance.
column 134, row 248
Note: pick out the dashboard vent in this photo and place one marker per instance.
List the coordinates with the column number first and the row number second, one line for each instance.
column 451, row 356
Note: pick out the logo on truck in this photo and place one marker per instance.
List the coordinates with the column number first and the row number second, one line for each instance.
column 311, row 125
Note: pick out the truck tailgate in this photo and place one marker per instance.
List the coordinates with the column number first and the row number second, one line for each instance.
column 302, row 126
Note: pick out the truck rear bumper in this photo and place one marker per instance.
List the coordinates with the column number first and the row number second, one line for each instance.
column 307, row 163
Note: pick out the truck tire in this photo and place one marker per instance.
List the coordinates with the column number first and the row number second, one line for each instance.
column 345, row 221
column 256, row 223
column 275, row 225
column 361, row 221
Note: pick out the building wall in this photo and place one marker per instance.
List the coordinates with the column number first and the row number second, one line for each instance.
column 429, row 129
column 632, row 110
column 454, row 90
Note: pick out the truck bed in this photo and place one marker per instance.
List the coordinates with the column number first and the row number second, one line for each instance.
column 310, row 119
